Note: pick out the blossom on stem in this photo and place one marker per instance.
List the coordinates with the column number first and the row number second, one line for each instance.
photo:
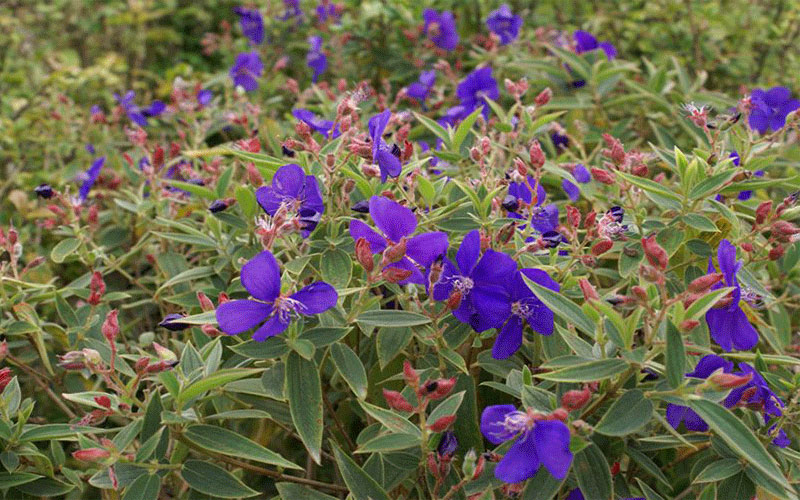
column 503, row 23
column 296, row 192
column 441, row 28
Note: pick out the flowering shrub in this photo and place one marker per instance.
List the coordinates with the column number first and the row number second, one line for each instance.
column 520, row 262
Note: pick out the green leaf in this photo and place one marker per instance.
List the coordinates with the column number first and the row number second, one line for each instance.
column 336, row 267
column 542, row 486
column 649, row 186
column 294, row 491
column 426, row 189
column 447, row 407
column 227, row 442
column 389, row 342
column 213, row 381
column 390, row 420
column 718, row 470
column 392, row 318
column 649, row 493
column 711, row 184
column 586, row 372
column 700, row 306
column 562, row 306
column 434, row 127
column 464, row 127
column 58, row 431
column 676, row 356
column 389, row 442
column 188, row 275
column 223, row 181
column 591, row 470
column 304, row 392
column 201, row 191
column 351, row 368
column 627, row 415
column 144, row 487
column 362, row 486
column 16, row 478
column 213, row 480
column 246, row 200
column 64, row 249
column 700, row 222
column 739, row 437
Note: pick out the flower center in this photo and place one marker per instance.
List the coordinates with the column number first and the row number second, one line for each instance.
column 286, row 306
column 520, row 308
column 463, row 284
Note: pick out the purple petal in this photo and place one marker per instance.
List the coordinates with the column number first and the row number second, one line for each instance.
column 541, row 319
column 571, row 189
column 491, row 305
column 552, row 442
column 238, row 316
column 316, row 298
column 261, row 276
column 360, row 230
column 726, row 257
column 494, row 268
column 275, row 326
column 425, row 248
column 377, row 124
column 759, row 121
column 709, row 364
column 776, row 96
column 509, row 339
column 444, row 287
column 268, row 199
column 492, row 426
column 388, row 163
column 393, row 219
column 289, row 180
column 469, row 251
column 520, row 461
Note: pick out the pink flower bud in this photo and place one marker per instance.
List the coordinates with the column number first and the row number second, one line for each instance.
column 395, row 274
column 602, row 247
column 722, row 381
column 776, row 252
column 5, row 377
column 364, row 255
column 397, row 401
column 655, row 254
column 536, row 154
column 103, row 401
column 573, row 216
column 603, row 176
column 543, row 97
column 442, row 423
column 91, row 454
column 575, row 400
column 205, row 303
column 393, row 253
column 110, row 328
column 763, row 211
column 437, row 389
column 410, row 375
column 589, row 292
column 688, row 325
column 703, row 283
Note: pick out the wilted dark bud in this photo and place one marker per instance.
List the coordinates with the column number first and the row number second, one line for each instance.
column 172, row 322
column 575, row 400
column 589, row 292
column 44, row 191
column 110, row 328
column 397, row 401
column 506, row 233
column 218, row 206
column 603, row 176
column 536, row 154
column 286, row 151
column 573, row 216
column 510, row 203
column 655, row 254
column 364, row 255
column 763, row 211
column 601, row 247
column 361, row 207
column 395, row 274
column 448, row 445
column 441, row 424
column 543, row 97
column 552, row 239
column 703, row 283
column 776, row 252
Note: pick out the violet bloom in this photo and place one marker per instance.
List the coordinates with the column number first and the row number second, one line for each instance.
column 475, row 286
column 420, row 89
column 520, row 205
column 503, row 23
column 581, row 174
column 573, row 191
column 397, row 224
column 537, row 443
column 252, row 24
column 560, row 141
column 525, row 307
column 292, row 10
column 292, row 191
column 246, row 70
column 678, row 413
column 327, row 10
column 448, row 445
column 204, row 97
column 135, row 113
column 586, row 42
column 441, row 28
column 769, row 108
column 318, row 124
column 273, row 311
column 729, row 326
column 388, row 163
column 315, row 59
column 89, row 177
column 475, row 88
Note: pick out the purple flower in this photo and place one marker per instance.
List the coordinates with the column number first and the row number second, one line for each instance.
column 172, row 322
column 252, row 24
column 537, row 443
column 560, row 141
column 769, row 108
column 729, row 326
column 420, row 89
column 136, row 114
column 454, row 115
column 586, row 42
column 441, row 28
column 525, row 306
column 573, row 191
column 476, row 285
column 382, row 154
column 503, row 23
column 448, row 445
column 543, row 218
column 89, row 177
column 261, row 277
column 204, row 97
column 316, row 123
column 292, row 10
column 581, row 174
column 475, row 88
column 397, row 223
column 678, row 413
column 315, row 59
column 293, row 191
column 326, row 10
column 246, row 70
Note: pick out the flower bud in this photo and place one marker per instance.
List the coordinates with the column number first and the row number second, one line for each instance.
column 448, row 444
column 520, row 167
column 364, row 254
column 441, row 424
column 5, row 378
column 395, row 274
column 468, row 466
column 475, row 154
column 437, row 389
column 433, row 467
column 506, row 233
column 543, row 97
column 640, row 294
column 651, row 274
column 172, row 322
column 703, row 283
column 3, row 350
column 747, row 247
column 205, row 303
column 103, row 401
column 141, row 364
column 573, row 216
column 559, row 414
column 110, row 328
column 397, row 401
column 410, row 375
column 601, row 247
column 536, row 154
column 91, row 454
column 688, row 325
column 253, row 175
column 785, row 228
column 454, row 300
column 575, row 400
column 163, row 353
column 590, row 219
column 589, row 292
column 655, row 254
column 776, row 252
column 721, row 381
column 603, row 176
column 763, row 211
column 393, row 253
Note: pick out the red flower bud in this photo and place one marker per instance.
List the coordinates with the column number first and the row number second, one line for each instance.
column 703, row 283
column 573, row 216
column 454, row 300
column 591, row 217
column 776, row 252
column 785, row 228
column 602, row 247
column 110, row 326
column 559, row 414
column 589, row 292
column 393, row 253
column 437, row 389
column 520, row 166
column 442, row 423
column 433, row 467
column 5, row 377
column 688, row 325
column 615, row 468
column 205, row 303
column 364, row 255
column 395, row 274
column 603, row 176
column 575, row 400
column 536, row 154
column 410, row 375
column 543, row 97
column 91, row 454
column 747, row 247
column 763, row 211
column 103, row 401
column 722, row 381
column 141, row 364
column 479, row 467
column 640, row 294
column 396, row 401
column 655, row 254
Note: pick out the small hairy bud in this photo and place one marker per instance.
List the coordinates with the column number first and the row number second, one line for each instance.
column 575, row 400
column 776, row 252
column 543, row 97
column 441, row 424
column 763, row 211
column 91, row 454
column 688, row 325
column 573, row 216
column 410, row 375
column 601, row 247
column 589, row 292
column 364, row 255
column 205, row 303
column 603, row 176
column 437, row 389
column 722, row 381
column 703, row 283
column 397, row 401
column 655, row 254
column 395, row 274
column 110, row 328
column 394, row 253
column 536, row 154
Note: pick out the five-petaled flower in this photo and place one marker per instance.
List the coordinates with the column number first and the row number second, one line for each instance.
column 521, row 205
column 769, row 108
column 728, row 325
column 252, row 24
column 246, row 70
column 315, row 59
column 388, row 162
column 272, row 310
column 397, row 223
column 503, row 23
column 475, row 88
column 536, row 443
column 295, row 192
column 441, row 28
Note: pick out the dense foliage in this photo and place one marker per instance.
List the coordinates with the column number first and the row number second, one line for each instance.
column 383, row 250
